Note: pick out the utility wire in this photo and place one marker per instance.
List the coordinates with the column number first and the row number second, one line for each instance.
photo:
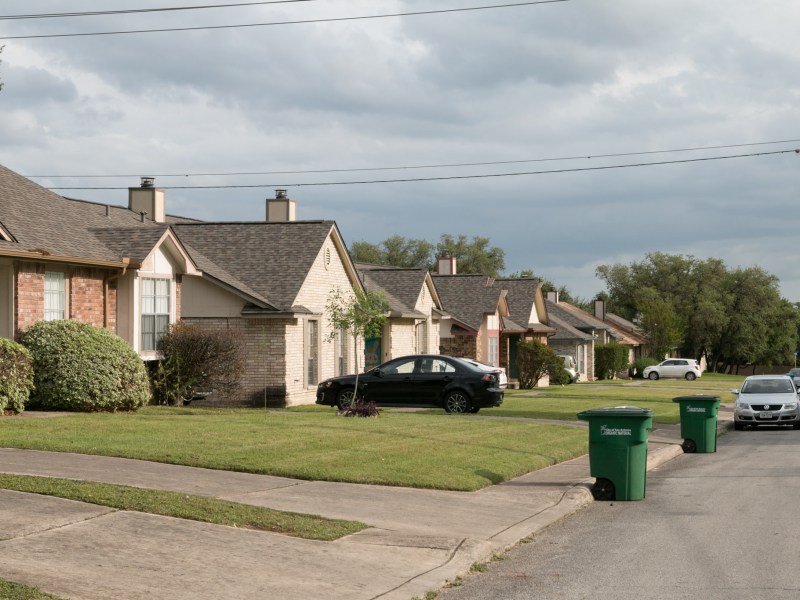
column 412, row 167
column 141, row 10
column 300, row 22
column 446, row 178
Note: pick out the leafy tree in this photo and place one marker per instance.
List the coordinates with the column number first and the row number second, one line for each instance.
column 474, row 257
column 610, row 359
column 534, row 361
column 659, row 322
column 362, row 314
column 395, row 251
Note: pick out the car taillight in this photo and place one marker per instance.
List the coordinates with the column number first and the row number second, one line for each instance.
column 488, row 377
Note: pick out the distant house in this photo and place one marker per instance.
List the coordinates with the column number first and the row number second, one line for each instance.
column 487, row 317
column 137, row 270
column 415, row 312
column 631, row 335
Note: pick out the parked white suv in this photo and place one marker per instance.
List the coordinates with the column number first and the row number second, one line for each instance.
column 678, row 368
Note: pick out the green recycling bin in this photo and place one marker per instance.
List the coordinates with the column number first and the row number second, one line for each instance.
column 618, row 451
column 698, row 422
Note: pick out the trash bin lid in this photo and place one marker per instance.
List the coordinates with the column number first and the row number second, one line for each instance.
column 616, row 411
column 697, row 398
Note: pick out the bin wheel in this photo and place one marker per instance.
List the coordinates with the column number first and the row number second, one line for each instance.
column 689, row 446
column 603, row 489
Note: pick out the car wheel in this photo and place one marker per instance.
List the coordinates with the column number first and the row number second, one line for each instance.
column 344, row 399
column 653, row 376
column 603, row 490
column 457, row 402
column 690, row 376
column 737, row 426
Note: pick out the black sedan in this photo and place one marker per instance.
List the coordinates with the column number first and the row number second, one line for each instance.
column 420, row 380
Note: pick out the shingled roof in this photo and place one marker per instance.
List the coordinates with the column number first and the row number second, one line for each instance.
column 42, row 222
column 577, row 318
column 268, row 261
column 401, row 287
column 468, row 297
column 521, row 297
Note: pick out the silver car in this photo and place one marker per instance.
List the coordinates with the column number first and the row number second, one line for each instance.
column 766, row 400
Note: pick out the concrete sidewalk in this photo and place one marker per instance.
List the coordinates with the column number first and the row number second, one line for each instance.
column 417, row 540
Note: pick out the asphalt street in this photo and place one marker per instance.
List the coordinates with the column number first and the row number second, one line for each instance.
column 712, row 527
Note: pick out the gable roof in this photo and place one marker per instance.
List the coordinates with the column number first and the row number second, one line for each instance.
column 400, row 286
column 564, row 332
column 268, row 261
column 468, row 297
column 521, row 297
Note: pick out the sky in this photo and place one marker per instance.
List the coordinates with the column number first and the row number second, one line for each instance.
column 536, row 125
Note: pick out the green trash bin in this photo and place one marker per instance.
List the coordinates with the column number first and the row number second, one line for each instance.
column 618, row 451
column 698, row 422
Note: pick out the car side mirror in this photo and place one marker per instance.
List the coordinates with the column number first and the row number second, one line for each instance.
column 377, row 373
column 735, row 392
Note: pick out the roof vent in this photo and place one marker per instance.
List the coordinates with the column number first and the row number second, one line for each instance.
column 280, row 195
column 148, row 182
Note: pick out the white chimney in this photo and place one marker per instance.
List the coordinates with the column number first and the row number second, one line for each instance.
column 281, row 208
column 148, row 199
column 446, row 264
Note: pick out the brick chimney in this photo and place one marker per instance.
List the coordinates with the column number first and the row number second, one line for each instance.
column 446, row 264
column 600, row 309
column 148, row 200
column 281, row 208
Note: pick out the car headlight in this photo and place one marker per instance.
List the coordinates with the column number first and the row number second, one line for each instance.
column 326, row 384
column 741, row 406
column 790, row 406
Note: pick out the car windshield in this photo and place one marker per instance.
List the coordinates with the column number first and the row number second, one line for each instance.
column 768, row 386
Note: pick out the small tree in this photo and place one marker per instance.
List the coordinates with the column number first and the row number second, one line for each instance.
column 362, row 315
column 534, row 361
column 198, row 360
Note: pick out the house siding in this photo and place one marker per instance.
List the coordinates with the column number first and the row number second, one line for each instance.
column 462, row 346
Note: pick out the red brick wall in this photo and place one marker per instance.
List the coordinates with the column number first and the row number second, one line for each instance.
column 85, row 301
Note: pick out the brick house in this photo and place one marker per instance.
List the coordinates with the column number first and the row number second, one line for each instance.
column 136, row 270
column 415, row 312
column 99, row 264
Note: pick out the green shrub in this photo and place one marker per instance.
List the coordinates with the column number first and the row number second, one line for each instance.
column 609, row 359
column 198, row 360
column 79, row 367
column 640, row 364
column 16, row 376
column 534, row 361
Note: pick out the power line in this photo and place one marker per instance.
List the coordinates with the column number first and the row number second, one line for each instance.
column 447, row 178
column 413, row 167
column 274, row 23
column 141, row 10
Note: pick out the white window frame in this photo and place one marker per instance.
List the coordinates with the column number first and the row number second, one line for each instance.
column 311, row 352
column 55, row 295
column 155, row 311
column 493, row 350
column 341, row 352
column 422, row 337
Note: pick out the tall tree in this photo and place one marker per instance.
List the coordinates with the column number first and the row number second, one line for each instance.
column 474, row 257
column 395, row 251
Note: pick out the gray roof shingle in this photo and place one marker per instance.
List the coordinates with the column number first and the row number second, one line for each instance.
column 468, row 297
column 401, row 287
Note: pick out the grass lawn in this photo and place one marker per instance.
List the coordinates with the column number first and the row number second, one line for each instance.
column 564, row 402
column 452, row 452
column 184, row 506
column 16, row 591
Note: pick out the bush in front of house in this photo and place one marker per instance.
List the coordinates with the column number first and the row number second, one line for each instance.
column 198, row 360
column 639, row 365
column 16, row 376
column 534, row 361
column 610, row 359
column 79, row 367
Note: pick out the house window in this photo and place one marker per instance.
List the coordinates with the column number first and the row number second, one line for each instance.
column 493, row 347
column 341, row 352
column 312, row 352
column 155, row 312
column 55, row 295
column 422, row 338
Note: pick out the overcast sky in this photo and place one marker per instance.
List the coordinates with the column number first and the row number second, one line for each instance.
column 518, row 85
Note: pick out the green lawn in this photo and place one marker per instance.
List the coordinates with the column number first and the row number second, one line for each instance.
column 16, row 591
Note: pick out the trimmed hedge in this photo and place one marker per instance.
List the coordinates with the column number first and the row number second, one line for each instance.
column 610, row 359
column 16, row 376
column 79, row 367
